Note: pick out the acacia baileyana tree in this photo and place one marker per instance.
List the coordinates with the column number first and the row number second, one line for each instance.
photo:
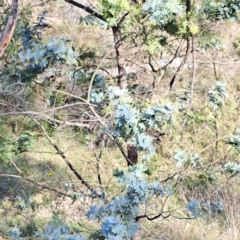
column 121, row 115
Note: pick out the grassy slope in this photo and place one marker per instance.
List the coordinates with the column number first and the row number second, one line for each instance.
column 43, row 165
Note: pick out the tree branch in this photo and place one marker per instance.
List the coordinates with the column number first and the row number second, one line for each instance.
column 84, row 182
column 193, row 73
column 179, row 70
column 34, row 183
column 87, row 9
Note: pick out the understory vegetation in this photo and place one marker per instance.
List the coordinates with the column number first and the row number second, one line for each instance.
column 120, row 120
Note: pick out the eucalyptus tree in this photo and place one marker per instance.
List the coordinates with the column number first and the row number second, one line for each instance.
column 153, row 24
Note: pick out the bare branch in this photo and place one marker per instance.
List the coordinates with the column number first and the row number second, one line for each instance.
column 179, row 70
column 215, row 62
column 47, row 117
column 84, row 182
column 34, row 183
column 97, row 166
column 87, row 9
column 193, row 73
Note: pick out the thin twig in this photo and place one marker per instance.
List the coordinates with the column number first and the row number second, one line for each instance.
column 98, row 168
column 214, row 62
column 87, row 9
column 213, row 143
column 34, row 183
column 97, row 116
column 84, row 182
column 14, row 164
column 40, row 114
column 193, row 72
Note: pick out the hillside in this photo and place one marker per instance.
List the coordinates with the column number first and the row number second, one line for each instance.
column 120, row 120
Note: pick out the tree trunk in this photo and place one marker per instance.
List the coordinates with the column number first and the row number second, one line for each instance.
column 133, row 160
column 138, row 235
column 9, row 29
column 122, row 78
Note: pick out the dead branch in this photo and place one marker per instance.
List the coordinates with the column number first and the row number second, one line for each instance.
column 35, row 183
column 74, row 171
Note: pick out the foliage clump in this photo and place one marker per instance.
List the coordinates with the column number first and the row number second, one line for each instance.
column 217, row 95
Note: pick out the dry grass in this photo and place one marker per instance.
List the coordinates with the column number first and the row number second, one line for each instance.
column 46, row 167
column 43, row 161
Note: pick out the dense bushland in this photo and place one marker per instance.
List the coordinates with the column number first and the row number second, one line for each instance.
column 122, row 123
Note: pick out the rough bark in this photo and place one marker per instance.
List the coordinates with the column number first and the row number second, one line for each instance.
column 86, row 8
column 9, row 29
column 122, row 78
column 132, row 155
column 133, row 160
column 179, row 71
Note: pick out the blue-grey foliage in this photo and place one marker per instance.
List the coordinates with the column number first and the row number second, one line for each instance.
column 130, row 118
column 234, row 140
column 131, row 122
column 195, row 208
column 158, row 116
column 118, row 215
column 183, row 159
column 52, row 231
column 58, row 232
column 221, row 9
column 41, row 55
column 162, row 11
column 97, row 93
column 117, row 95
column 15, row 233
column 217, row 95
column 114, row 228
column 213, row 207
column 232, row 168
column 144, row 143
column 126, row 121
column 91, row 20
column 97, row 97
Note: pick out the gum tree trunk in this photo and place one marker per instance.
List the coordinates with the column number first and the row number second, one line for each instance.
column 9, row 29
column 122, row 79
